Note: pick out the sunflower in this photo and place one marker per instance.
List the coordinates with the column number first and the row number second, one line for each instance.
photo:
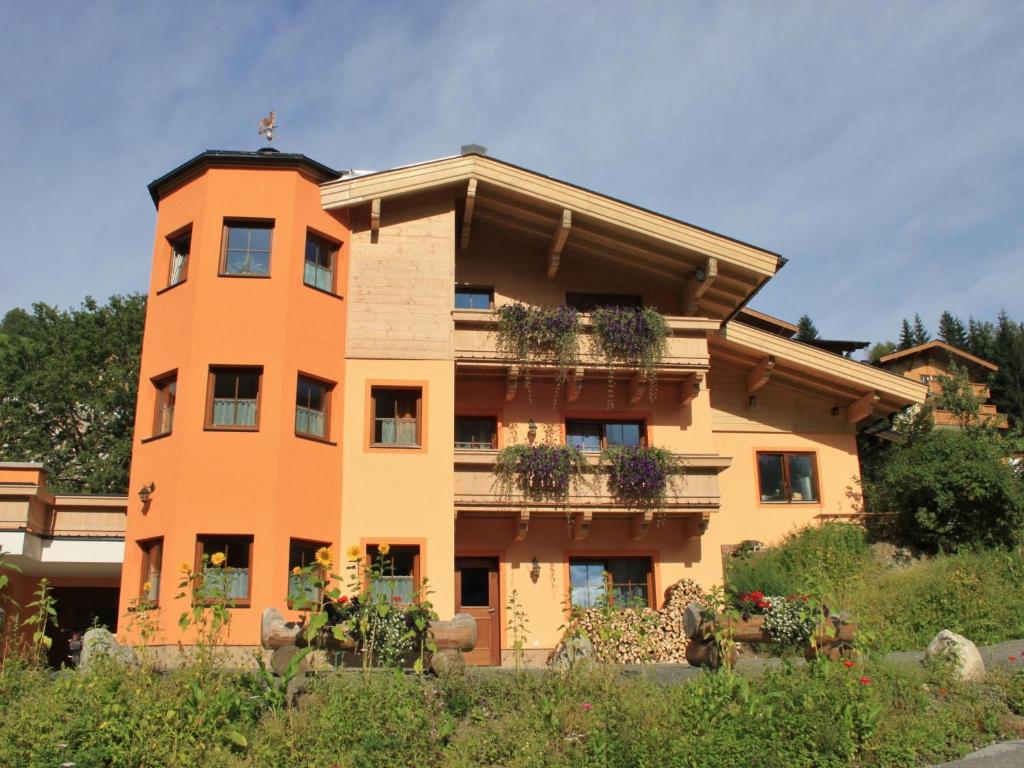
column 297, row 571
column 354, row 553
column 383, row 549
column 185, row 569
column 146, row 587
column 218, row 558
column 323, row 557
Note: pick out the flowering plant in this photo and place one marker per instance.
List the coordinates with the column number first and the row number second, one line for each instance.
column 752, row 604
column 539, row 472
column 633, row 336
column 638, row 475
column 546, row 334
column 791, row 620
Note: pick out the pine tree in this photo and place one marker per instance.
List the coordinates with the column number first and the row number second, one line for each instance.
column 806, row 329
column 952, row 331
column 906, row 336
column 1008, row 382
column 921, row 335
column 981, row 338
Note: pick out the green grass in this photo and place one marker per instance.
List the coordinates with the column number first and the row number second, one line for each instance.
column 975, row 593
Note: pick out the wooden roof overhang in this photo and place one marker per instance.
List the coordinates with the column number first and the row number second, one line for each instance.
column 940, row 347
column 716, row 274
column 861, row 389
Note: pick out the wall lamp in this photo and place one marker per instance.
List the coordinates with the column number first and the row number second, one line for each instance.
column 534, row 570
column 531, row 432
column 146, row 492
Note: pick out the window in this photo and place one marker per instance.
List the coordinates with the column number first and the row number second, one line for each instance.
column 396, row 416
column 181, row 247
column 321, row 257
column 312, row 398
column 474, row 298
column 152, row 560
column 302, row 588
column 247, row 248
column 625, row 582
column 232, row 578
column 476, row 432
column 234, row 398
column 166, row 393
column 588, row 302
column 598, row 435
column 786, row 477
column 400, row 575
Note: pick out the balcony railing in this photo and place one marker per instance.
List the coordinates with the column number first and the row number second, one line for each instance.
column 476, row 490
column 987, row 415
column 981, row 391
column 475, row 343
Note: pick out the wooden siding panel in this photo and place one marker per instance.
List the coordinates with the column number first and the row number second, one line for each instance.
column 400, row 289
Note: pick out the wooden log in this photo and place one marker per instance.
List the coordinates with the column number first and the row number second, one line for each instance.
column 458, row 633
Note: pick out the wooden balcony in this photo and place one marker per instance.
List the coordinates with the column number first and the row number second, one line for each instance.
column 694, row 495
column 980, row 391
column 22, row 509
column 988, row 415
column 475, row 351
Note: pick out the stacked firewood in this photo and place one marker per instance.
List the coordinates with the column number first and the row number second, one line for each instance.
column 639, row 636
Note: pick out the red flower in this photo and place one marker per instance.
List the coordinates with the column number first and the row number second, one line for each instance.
column 396, row 599
column 1013, row 658
column 756, row 596
column 763, row 604
column 849, row 663
column 587, row 707
column 865, row 681
column 343, row 599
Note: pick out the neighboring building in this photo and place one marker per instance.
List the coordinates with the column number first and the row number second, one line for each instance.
column 320, row 367
column 789, row 330
column 74, row 541
column 930, row 361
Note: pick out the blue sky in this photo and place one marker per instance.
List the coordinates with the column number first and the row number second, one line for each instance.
column 878, row 146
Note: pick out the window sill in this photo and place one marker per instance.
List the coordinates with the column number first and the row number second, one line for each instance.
column 153, row 438
column 232, row 274
column 149, row 606
column 332, row 294
column 166, row 288
column 397, row 446
column 222, row 428
column 237, row 603
column 315, row 438
column 809, row 502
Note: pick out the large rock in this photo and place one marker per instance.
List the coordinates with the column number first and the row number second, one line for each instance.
column 573, row 652
column 99, row 642
column 447, row 663
column 961, row 652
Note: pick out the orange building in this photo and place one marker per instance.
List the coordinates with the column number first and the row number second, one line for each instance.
column 321, row 366
column 930, row 362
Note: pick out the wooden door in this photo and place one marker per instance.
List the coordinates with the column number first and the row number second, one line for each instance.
column 477, row 593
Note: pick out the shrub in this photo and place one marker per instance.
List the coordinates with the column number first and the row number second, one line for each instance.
column 949, row 489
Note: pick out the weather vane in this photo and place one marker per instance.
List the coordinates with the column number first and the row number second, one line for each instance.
column 267, row 126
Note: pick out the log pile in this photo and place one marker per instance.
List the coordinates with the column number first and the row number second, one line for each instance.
column 640, row 636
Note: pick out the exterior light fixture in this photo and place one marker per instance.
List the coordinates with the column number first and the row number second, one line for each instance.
column 534, row 570
column 146, row 492
column 752, row 400
column 700, row 274
column 835, row 410
column 531, row 432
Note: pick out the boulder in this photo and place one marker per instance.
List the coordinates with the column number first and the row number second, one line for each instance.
column 99, row 642
column 961, row 652
column 573, row 652
column 447, row 663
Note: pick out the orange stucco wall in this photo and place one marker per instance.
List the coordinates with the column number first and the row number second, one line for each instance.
column 268, row 483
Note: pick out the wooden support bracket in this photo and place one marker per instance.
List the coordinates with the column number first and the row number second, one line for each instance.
column 374, row 219
column 581, row 524
column 467, row 215
column 637, row 387
column 861, row 408
column 558, row 242
column 522, row 525
column 759, row 376
column 697, row 285
column 640, row 524
column 511, row 383
column 575, row 385
column 689, row 388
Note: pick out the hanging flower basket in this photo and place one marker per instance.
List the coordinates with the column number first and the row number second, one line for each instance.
column 639, row 476
column 539, row 335
column 539, row 472
column 630, row 336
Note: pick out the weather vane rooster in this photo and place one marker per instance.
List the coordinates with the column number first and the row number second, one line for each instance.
column 268, row 125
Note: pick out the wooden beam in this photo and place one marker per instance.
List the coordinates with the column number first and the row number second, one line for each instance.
column 637, row 387
column 689, row 388
column 558, row 242
column 697, row 285
column 511, row 383
column 861, row 408
column 581, row 524
column 374, row 220
column 640, row 524
column 758, row 377
column 467, row 214
column 522, row 525
column 575, row 385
